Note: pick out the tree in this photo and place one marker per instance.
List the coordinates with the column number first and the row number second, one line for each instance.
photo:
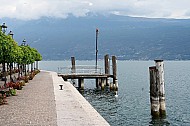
column 38, row 57
column 11, row 53
column 19, row 58
column 4, row 52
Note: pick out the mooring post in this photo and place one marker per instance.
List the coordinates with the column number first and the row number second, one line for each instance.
column 114, row 67
column 61, row 87
column 160, row 81
column 107, row 68
column 157, row 91
column 154, row 93
column 73, row 68
column 81, row 83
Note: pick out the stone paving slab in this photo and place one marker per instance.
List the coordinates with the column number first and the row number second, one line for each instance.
column 72, row 108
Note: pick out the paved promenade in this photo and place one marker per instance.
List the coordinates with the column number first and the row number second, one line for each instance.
column 41, row 103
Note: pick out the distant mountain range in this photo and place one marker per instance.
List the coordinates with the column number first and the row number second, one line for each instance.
column 128, row 38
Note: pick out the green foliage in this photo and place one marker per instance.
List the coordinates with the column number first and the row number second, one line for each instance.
column 19, row 55
column 37, row 55
column 12, row 91
column 10, row 52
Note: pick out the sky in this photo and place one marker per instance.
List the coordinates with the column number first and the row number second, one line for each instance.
column 35, row 9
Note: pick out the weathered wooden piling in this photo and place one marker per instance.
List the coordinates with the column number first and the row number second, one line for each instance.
column 157, row 92
column 103, row 83
column 73, row 68
column 154, row 93
column 89, row 72
column 160, row 81
column 98, row 82
column 114, row 67
column 107, row 68
column 81, row 83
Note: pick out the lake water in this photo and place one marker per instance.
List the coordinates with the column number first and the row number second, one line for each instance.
column 132, row 106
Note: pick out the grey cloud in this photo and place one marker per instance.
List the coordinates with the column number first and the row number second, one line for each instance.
column 35, row 9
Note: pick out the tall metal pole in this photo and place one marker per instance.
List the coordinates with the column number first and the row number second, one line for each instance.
column 97, row 47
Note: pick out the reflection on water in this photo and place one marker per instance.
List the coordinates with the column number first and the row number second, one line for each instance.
column 159, row 122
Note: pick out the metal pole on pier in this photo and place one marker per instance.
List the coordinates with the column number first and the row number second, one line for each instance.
column 97, row 47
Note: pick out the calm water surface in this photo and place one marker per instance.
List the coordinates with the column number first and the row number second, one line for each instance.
column 132, row 106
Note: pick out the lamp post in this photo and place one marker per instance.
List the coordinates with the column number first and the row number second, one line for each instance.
column 11, row 34
column 24, row 42
column 24, row 66
column 3, row 28
column 11, row 64
column 97, row 47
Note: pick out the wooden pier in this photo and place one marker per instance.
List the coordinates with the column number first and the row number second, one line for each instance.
column 93, row 72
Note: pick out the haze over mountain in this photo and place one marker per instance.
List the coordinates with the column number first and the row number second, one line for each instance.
column 126, row 37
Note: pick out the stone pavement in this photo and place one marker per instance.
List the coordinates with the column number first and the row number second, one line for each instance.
column 41, row 103
column 34, row 105
column 72, row 108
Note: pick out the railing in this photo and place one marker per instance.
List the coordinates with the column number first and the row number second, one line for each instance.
column 80, row 69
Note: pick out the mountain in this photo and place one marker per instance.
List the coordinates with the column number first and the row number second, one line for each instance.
column 129, row 38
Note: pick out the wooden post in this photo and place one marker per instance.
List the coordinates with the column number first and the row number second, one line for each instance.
column 98, row 82
column 160, row 81
column 154, row 93
column 103, row 83
column 157, row 92
column 107, row 68
column 114, row 67
column 81, row 83
column 116, row 85
column 73, row 69
column 65, row 79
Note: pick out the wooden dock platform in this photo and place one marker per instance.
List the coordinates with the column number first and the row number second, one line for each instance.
column 87, row 76
column 92, row 72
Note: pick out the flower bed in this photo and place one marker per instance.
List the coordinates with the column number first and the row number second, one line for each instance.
column 9, row 89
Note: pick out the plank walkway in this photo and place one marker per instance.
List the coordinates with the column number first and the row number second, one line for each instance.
column 41, row 103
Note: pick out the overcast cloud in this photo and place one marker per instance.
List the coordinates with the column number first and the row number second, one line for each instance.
column 35, row 9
